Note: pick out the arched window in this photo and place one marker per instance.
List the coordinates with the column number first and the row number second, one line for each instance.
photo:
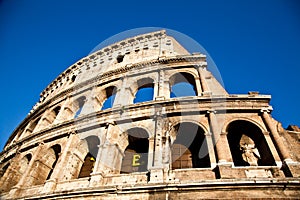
column 248, row 145
column 182, row 84
column 136, row 153
column 79, row 105
column 90, row 159
column 145, row 90
column 189, row 150
column 110, row 97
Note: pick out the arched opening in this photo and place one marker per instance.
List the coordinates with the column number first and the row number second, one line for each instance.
column 145, row 90
column 190, row 149
column 44, row 166
column 73, row 78
column 24, row 163
column 79, row 105
column 136, row 153
column 110, row 97
column 56, row 149
column 49, row 119
column 248, row 145
column 87, row 167
column 182, row 84
column 4, row 184
column 55, row 112
column 4, row 169
column 32, row 126
column 15, row 174
column 120, row 58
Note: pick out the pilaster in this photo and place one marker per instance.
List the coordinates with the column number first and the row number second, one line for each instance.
column 220, row 139
column 16, row 189
column 59, row 168
column 205, row 89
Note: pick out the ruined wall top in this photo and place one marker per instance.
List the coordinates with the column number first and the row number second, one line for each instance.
column 141, row 48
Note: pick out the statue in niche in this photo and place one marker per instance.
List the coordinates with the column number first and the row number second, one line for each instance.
column 250, row 153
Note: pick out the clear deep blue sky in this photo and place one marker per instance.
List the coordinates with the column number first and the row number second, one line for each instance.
column 255, row 44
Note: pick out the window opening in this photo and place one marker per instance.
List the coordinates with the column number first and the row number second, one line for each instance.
column 111, row 95
column 247, row 145
column 190, row 149
column 136, row 153
column 182, row 84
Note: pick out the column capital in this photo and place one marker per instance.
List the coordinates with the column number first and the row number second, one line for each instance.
column 211, row 111
column 71, row 133
column 206, row 93
column 209, row 133
column 224, row 133
column 266, row 132
column 41, row 143
column 202, row 65
column 110, row 123
column 267, row 110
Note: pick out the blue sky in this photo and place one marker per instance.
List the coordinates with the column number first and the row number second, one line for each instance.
column 254, row 43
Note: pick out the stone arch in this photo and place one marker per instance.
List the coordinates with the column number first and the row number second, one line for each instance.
column 177, row 122
column 107, row 97
column 78, row 105
column 144, row 90
column 75, row 158
column 248, row 145
column 49, row 118
column 148, row 126
column 92, row 144
column 18, row 135
column 189, row 149
column 182, row 84
column 44, row 166
column 52, row 158
column 151, row 77
column 25, row 162
column 5, row 174
column 15, row 172
column 191, row 71
column 4, row 169
column 136, row 153
column 259, row 125
column 32, row 126
column 54, row 113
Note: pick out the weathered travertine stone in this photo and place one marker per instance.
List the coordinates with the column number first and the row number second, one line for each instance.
column 206, row 145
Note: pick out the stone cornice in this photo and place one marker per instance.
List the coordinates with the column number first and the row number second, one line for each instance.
column 161, row 61
column 201, row 105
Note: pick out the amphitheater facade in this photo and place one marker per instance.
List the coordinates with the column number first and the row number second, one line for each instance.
column 90, row 135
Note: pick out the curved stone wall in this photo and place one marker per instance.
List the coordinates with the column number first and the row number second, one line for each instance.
column 87, row 137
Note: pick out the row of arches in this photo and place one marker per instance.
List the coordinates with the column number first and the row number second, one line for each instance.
column 181, row 84
column 188, row 148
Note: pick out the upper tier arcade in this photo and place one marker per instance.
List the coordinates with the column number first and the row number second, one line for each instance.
column 140, row 49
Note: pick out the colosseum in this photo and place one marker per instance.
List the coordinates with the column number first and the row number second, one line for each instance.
column 144, row 118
